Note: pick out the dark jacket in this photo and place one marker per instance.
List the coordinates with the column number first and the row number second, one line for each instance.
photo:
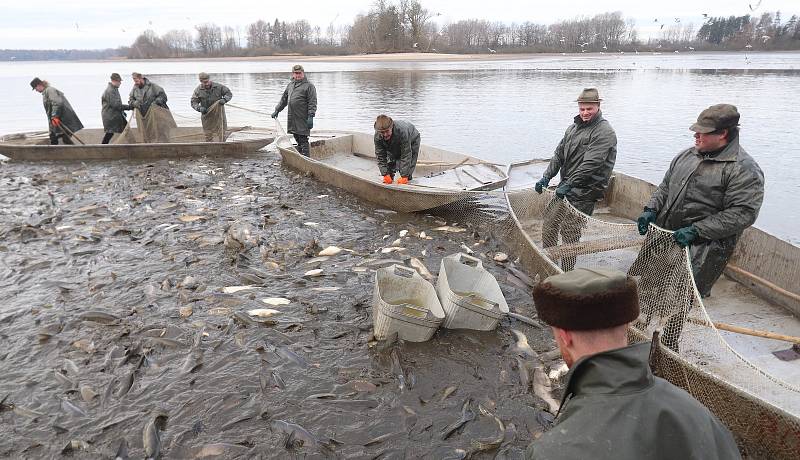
column 57, row 105
column 401, row 149
column 112, row 110
column 585, row 157
column 719, row 195
column 614, row 408
column 203, row 97
column 149, row 94
column 301, row 97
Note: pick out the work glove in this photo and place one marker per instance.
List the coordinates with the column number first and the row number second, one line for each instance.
column 388, row 179
column 136, row 105
column 56, row 121
column 275, row 114
column 202, row 109
column 562, row 190
column 403, row 180
column 222, row 101
column 310, row 122
column 644, row 220
column 685, row 235
column 542, row 184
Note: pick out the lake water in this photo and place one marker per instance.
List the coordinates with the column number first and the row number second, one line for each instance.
column 496, row 109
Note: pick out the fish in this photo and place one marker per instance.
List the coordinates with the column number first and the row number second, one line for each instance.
column 297, row 435
column 449, row 229
column 420, row 267
column 98, row 317
column 313, row 273
column 71, row 408
column 275, row 301
column 466, row 415
column 522, row 347
column 403, row 233
column 383, row 438
column 392, row 249
column 263, row 312
column 126, row 383
column 71, row 367
column 330, row 251
column 542, row 388
column 85, row 345
column 288, row 355
column 317, row 260
column 122, row 450
column 193, row 361
column 243, row 319
column 466, row 249
column 87, row 393
column 234, row 289
column 165, row 342
column 354, row 403
column 151, row 439
column 447, row 392
column 108, row 362
column 524, row 374
column 63, row 380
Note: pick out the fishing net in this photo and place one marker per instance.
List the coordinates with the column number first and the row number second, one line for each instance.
column 549, row 235
column 158, row 125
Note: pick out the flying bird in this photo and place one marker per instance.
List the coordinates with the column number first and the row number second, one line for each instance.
column 677, row 19
column 491, row 50
column 662, row 26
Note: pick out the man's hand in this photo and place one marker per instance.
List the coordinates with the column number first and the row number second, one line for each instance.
column 275, row 114
column 388, row 179
column 643, row 222
column 310, row 122
column 563, row 189
column 685, row 235
column 202, row 109
column 56, row 121
column 403, row 180
column 222, row 101
column 541, row 185
column 136, row 105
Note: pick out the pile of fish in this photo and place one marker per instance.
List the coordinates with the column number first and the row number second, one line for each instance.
column 220, row 309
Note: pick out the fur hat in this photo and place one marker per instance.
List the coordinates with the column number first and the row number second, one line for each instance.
column 586, row 299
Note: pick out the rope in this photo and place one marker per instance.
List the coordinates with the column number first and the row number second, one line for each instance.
column 248, row 110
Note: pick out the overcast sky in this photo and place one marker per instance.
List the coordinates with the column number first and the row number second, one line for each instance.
column 90, row 24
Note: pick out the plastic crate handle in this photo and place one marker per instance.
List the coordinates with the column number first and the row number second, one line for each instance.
column 403, row 271
column 469, row 260
column 473, row 297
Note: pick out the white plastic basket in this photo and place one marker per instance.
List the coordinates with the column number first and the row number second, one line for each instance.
column 470, row 295
column 405, row 303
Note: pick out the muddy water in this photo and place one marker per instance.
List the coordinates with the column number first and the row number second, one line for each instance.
column 182, row 372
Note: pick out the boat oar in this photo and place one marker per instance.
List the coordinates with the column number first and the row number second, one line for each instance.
column 746, row 331
column 70, row 133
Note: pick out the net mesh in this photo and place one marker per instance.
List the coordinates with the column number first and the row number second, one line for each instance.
column 159, row 125
column 549, row 235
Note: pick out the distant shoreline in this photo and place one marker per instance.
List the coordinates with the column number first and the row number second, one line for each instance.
column 399, row 57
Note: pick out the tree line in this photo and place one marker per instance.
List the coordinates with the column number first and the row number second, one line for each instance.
column 406, row 25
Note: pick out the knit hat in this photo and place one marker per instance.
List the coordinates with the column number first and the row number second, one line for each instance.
column 586, row 299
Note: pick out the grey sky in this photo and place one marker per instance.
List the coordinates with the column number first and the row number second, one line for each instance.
column 53, row 24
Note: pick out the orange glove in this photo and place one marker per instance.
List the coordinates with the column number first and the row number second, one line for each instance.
column 387, row 179
column 56, row 121
column 402, row 180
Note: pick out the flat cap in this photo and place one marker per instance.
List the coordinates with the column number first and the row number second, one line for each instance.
column 587, row 299
column 203, row 76
column 297, row 68
column 719, row 116
column 136, row 75
column 36, row 82
column 115, row 76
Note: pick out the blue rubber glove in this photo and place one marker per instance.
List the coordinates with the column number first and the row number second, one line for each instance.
column 685, row 235
column 563, row 189
column 542, row 184
column 310, row 122
column 649, row 215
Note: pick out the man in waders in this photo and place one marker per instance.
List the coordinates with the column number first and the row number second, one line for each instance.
column 301, row 98
column 585, row 158
column 204, row 97
column 113, row 110
column 62, row 121
column 397, row 148
column 613, row 406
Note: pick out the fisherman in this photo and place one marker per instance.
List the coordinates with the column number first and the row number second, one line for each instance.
column 145, row 93
column 113, row 110
column 204, row 97
column 301, row 97
column 710, row 194
column 585, row 157
column 397, row 148
column 62, row 121
column 613, row 406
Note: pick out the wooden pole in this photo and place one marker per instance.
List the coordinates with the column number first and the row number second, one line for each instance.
column 71, row 134
column 767, row 284
column 746, row 331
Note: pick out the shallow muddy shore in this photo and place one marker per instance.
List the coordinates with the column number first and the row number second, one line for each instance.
column 116, row 328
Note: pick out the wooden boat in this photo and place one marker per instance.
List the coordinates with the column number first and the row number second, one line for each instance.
column 347, row 160
column 36, row 146
column 760, row 291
